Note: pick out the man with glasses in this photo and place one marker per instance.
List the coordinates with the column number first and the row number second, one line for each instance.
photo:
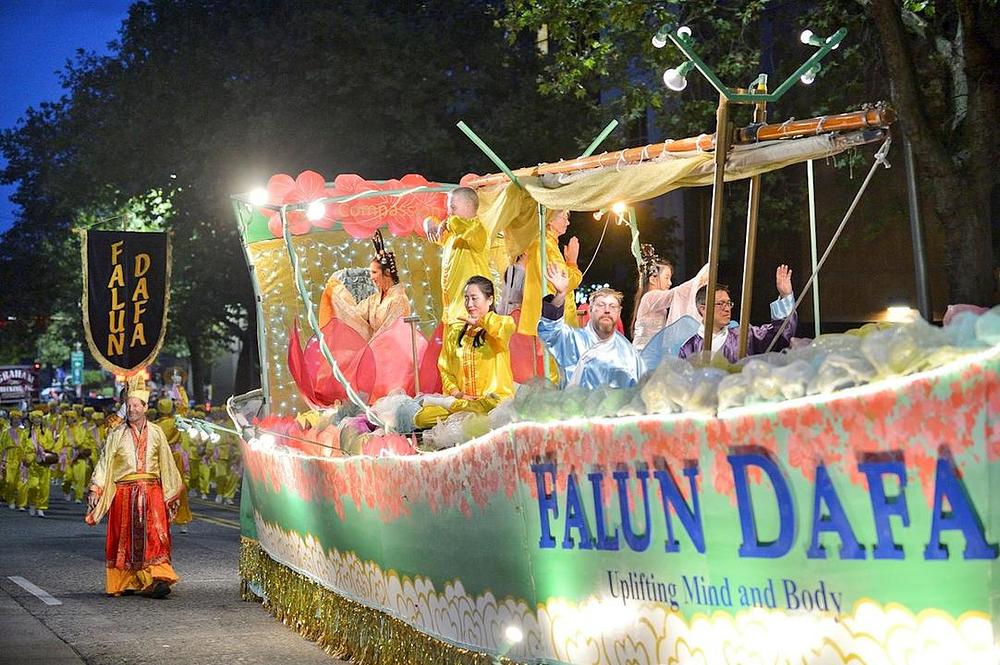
column 726, row 338
column 596, row 354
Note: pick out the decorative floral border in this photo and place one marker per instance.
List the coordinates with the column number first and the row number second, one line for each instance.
column 600, row 631
column 917, row 415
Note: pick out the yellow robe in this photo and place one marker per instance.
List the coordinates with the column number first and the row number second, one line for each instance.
column 39, row 475
column 10, row 440
column 226, row 479
column 173, row 435
column 79, row 451
column 465, row 253
column 118, row 459
column 531, row 303
column 26, row 456
column 370, row 316
column 481, row 371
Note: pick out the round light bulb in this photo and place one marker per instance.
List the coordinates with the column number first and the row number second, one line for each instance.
column 215, row 437
column 809, row 76
column 683, row 32
column 513, row 634
column 806, row 36
column 315, row 211
column 674, row 80
column 659, row 41
column 618, row 208
column 258, row 196
column 266, row 439
column 598, row 215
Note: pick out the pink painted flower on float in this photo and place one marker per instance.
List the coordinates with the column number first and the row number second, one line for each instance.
column 309, row 186
column 406, row 213
column 360, row 216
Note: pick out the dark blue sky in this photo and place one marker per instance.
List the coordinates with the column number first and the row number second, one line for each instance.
column 37, row 37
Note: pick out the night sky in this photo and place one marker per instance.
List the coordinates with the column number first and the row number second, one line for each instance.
column 37, row 37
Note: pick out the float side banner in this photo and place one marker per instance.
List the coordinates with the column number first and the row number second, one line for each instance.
column 126, row 295
column 859, row 527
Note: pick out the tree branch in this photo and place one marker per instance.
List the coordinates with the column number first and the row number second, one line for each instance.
column 906, row 93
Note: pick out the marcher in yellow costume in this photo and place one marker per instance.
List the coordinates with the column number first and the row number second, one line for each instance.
column 475, row 357
column 54, row 421
column 465, row 250
column 79, row 449
column 12, row 443
column 41, row 445
column 137, row 485
column 168, row 424
column 99, row 430
column 556, row 223
column 376, row 312
column 201, row 462
column 224, row 473
column 8, row 459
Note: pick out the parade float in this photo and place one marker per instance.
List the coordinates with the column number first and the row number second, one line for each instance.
column 831, row 504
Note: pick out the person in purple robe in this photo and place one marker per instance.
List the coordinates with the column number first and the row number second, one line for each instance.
column 726, row 339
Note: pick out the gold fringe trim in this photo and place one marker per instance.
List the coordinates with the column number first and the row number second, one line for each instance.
column 345, row 629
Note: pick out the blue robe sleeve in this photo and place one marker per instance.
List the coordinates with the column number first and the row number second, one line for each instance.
column 559, row 338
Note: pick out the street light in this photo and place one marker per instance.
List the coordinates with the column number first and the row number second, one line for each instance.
column 809, row 38
column 660, row 38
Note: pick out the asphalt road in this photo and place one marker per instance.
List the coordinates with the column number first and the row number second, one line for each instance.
column 202, row 621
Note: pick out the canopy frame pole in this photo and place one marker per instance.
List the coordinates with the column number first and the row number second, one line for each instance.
column 750, row 249
column 543, row 263
column 917, row 233
column 880, row 160
column 600, row 139
column 413, row 321
column 722, row 137
column 810, row 177
column 258, row 303
column 488, row 151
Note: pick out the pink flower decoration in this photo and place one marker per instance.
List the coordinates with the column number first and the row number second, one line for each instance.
column 360, row 217
column 308, row 186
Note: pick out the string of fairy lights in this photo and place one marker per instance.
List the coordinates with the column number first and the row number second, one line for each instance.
column 280, row 305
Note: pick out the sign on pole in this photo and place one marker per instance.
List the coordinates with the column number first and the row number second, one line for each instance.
column 76, row 368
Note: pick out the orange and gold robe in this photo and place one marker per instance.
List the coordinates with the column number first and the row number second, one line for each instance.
column 368, row 317
column 137, row 484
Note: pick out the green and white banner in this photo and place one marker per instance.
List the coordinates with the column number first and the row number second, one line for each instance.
column 861, row 527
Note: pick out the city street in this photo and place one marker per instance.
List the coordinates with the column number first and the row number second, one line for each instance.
column 53, row 609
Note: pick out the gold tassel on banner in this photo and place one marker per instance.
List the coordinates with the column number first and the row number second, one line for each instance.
column 343, row 628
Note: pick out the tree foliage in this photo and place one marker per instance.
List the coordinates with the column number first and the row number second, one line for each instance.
column 200, row 99
column 936, row 60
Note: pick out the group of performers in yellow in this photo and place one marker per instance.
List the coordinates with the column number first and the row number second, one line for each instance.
column 59, row 445
column 124, row 470
column 44, row 447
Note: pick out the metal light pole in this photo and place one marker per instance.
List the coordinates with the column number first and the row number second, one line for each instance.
column 757, row 95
